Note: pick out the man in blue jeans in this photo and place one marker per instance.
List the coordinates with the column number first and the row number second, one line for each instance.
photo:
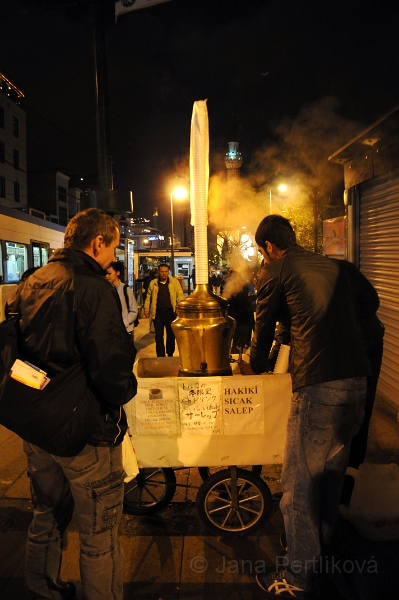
column 311, row 298
column 70, row 314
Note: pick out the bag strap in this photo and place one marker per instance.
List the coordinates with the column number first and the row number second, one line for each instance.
column 136, row 322
column 126, row 297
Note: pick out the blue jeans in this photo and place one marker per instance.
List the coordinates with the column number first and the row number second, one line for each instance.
column 322, row 421
column 92, row 482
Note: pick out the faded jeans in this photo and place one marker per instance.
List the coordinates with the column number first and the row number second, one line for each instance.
column 322, row 421
column 92, row 482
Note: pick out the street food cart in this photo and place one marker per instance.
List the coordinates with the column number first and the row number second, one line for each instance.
column 223, row 421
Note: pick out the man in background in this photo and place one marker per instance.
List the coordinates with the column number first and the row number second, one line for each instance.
column 312, row 298
column 164, row 294
column 69, row 313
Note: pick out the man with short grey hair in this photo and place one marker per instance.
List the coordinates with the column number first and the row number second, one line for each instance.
column 70, row 314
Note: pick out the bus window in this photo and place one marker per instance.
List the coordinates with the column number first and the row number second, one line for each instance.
column 16, row 261
column 40, row 254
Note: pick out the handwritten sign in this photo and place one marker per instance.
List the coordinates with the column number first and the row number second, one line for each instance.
column 242, row 401
column 156, row 407
column 200, row 406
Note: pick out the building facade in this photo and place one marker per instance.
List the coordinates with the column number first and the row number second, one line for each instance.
column 51, row 198
column 13, row 180
column 371, row 177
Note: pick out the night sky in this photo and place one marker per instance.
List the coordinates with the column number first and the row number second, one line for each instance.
column 263, row 65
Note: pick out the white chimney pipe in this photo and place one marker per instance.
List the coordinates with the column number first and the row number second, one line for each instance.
column 199, row 182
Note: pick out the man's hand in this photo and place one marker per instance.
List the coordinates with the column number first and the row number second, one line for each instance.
column 146, row 313
column 245, row 368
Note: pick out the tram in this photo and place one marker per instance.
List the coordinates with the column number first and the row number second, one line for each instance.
column 26, row 241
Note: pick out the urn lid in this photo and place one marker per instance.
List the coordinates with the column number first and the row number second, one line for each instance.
column 202, row 300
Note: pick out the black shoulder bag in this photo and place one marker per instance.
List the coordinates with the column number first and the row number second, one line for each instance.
column 59, row 418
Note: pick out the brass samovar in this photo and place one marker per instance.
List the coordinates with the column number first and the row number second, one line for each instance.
column 203, row 329
column 204, row 333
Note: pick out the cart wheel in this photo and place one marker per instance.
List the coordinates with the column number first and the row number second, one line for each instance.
column 215, row 502
column 205, row 472
column 149, row 492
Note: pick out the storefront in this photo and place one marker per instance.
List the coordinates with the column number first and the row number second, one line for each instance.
column 371, row 174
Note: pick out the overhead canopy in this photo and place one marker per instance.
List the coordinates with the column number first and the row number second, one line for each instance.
column 372, row 152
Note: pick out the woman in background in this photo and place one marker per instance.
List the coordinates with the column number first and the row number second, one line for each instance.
column 129, row 305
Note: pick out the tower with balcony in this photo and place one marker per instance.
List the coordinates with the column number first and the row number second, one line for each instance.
column 233, row 161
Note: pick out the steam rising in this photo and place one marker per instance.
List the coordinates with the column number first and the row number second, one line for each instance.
column 298, row 158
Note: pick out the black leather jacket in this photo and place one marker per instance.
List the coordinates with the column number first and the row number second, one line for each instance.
column 69, row 312
column 312, row 297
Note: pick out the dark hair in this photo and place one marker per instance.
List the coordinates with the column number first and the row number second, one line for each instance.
column 163, row 265
column 118, row 266
column 277, row 230
column 87, row 225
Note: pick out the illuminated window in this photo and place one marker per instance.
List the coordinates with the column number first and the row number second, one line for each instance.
column 16, row 261
column 40, row 254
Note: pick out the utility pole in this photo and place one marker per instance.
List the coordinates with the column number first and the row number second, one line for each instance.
column 104, row 159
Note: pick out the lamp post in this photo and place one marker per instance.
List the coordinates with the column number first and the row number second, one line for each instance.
column 281, row 188
column 180, row 193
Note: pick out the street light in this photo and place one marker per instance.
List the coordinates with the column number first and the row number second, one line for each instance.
column 147, row 241
column 281, row 188
column 180, row 193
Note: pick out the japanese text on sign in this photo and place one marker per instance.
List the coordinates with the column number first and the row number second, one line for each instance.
column 200, row 406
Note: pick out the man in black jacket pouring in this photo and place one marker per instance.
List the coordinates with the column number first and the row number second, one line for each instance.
column 313, row 300
column 70, row 313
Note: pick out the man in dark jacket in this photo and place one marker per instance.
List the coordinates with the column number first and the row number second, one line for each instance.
column 312, row 297
column 70, row 313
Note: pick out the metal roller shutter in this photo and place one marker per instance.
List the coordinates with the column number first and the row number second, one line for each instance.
column 379, row 262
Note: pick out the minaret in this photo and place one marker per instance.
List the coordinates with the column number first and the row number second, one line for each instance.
column 233, row 161
column 155, row 218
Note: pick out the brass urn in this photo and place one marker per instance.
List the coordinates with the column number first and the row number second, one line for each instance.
column 204, row 333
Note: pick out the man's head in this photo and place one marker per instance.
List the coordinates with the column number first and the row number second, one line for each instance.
column 274, row 236
column 163, row 271
column 94, row 232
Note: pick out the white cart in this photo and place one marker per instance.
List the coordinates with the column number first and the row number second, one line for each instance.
column 222, row 422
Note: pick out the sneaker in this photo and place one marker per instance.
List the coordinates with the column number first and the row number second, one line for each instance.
column 275, row 584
